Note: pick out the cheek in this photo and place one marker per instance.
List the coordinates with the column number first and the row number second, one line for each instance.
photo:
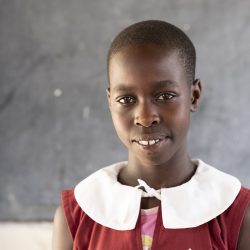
column 178, row 118
column 122, row 125
column 183, row 120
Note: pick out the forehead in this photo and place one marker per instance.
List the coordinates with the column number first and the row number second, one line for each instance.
column 146, row 64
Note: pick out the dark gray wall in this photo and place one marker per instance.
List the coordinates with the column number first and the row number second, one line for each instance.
column 49, row 142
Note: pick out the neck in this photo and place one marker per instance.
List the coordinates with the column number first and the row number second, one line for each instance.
column 174, row 172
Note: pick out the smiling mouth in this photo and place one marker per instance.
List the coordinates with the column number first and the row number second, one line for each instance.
column 149, row 141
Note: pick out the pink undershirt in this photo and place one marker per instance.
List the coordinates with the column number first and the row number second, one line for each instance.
column 148, row 221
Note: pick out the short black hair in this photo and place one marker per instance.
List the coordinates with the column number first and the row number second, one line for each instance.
column 158, row 33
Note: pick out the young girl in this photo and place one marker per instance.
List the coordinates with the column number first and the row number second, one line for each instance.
column 160, row 198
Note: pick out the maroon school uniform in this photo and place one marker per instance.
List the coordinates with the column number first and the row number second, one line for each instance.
column 220, row 232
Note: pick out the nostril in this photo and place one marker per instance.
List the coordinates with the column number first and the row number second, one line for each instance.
column 147, row 123
column 138, row 124
column 154, row 122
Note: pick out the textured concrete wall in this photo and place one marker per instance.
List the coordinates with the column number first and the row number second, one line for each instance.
column 55, row 126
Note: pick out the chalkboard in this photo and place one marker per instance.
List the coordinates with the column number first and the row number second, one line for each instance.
column 55, row 126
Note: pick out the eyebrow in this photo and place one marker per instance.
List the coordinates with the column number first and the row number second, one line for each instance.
column 164, row 83
column 158, row 84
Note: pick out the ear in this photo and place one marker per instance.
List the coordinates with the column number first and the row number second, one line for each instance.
column 108, row 95
column 195, row 95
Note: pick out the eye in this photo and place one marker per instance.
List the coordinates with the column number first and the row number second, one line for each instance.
column 165, row 96
column 126, row 100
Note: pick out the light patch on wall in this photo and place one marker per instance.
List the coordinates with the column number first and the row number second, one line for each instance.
column 57, row 92
column 85, row 113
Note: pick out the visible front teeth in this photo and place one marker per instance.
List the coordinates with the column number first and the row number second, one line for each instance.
column 145, row 143
column 150, row 142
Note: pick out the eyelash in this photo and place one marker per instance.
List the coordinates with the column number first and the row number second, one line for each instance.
column 126, row 100
column 168, row 95
column 123, row 99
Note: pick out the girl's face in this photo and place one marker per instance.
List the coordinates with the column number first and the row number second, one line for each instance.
column 150, row 103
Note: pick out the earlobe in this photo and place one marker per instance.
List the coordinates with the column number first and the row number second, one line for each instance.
column 195, row 95
column 108, row 95
column 108, row 92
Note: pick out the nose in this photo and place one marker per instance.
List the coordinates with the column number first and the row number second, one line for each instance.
column 146, row 115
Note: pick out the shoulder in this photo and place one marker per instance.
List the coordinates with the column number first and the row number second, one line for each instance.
column 235, row 221
column 71, row 210
column 66, row 221
column 244, row 236
column 61, row 234
column 69, row 220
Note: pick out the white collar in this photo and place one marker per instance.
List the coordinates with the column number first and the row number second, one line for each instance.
column 205, row 196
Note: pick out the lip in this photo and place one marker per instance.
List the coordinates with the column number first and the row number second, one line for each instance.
column 148, row 137
column 159, row 141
